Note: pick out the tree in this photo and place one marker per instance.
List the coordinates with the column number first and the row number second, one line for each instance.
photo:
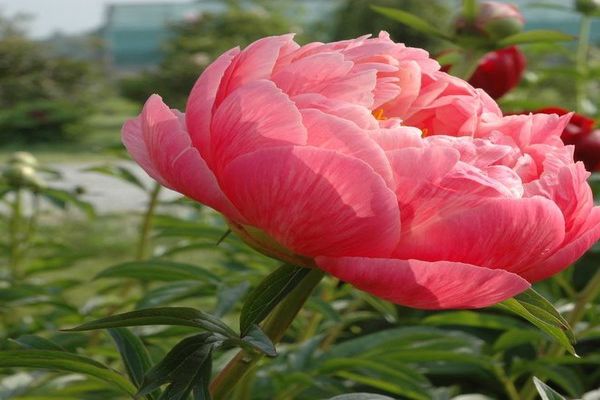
column 42, row 97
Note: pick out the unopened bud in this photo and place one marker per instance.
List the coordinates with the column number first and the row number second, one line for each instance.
column 495, row 20
column 23, row 158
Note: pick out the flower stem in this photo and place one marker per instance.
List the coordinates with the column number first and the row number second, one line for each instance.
column 274, row 327
column 15, row 233
column 583, row 45
column 146, row 226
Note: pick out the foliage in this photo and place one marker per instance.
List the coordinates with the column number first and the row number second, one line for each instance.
column 42, row 97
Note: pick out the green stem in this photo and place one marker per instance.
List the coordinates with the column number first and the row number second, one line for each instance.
column 583, row 46
column 585, row 297
column 33, row 218
column 470, row 9
column 274, row 327
column 146, row 226
column 14, row 233
column 509, row 386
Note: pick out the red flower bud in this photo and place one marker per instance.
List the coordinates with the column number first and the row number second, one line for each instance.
column 499, row 71
column 587, row 150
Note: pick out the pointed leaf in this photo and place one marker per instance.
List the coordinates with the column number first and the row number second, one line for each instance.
column 63, row 198
column 263, row 299
column 535, row 36
column 158, row 270
column 37, row 343
column 186, row 368
column 133, row 352
column 537, row 310
column 63, row 361
column 545, row 391
column 118, row 172
column 179, row 316
column 259, row 341
column 410, row 20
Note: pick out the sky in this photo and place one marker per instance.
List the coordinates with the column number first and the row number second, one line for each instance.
column 68, row 16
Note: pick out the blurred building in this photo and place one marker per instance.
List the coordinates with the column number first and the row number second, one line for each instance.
column 134, row 32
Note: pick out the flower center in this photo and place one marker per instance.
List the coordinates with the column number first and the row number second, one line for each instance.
column 378, row 114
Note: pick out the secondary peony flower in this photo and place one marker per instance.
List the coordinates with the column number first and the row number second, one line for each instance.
column 499, row 71
column 361, row 158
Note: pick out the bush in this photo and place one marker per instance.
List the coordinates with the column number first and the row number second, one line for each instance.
column 42, row 97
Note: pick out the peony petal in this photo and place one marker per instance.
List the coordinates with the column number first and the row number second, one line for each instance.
column 255, row 62
column 361, row 116
column 157, row 140
column 330, row 132
column 314, row 201
column 457, row 217
column 569, row 253
column 510, row 234
column 200, row 103
column 328, row 74
column 255, row 116
column 426, row 285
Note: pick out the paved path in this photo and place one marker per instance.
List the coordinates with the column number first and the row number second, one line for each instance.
column 106, row 193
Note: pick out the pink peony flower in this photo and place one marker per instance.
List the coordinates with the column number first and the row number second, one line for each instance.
column 363, row 159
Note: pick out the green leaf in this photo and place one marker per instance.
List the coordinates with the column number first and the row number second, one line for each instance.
column 405, row 381
column 545, row 391
column 173, row 292
column 227, row 297
column 259, row 341
column 535, row 36
column 118, row 172
column 62, row 198
column 186, row 368
column 537, row 310
column 360, row 396
column 410, row 20
column 265, row 297
column 133, row 352
column 158, row 270
column 37, row 343
column 179, row 316
column 517, row 337
column 63, row 361
column 473, row 319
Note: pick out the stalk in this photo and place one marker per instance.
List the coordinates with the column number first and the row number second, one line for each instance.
column 583, row 46
column 274, row 327
column 146, row 226
column 14, row 232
